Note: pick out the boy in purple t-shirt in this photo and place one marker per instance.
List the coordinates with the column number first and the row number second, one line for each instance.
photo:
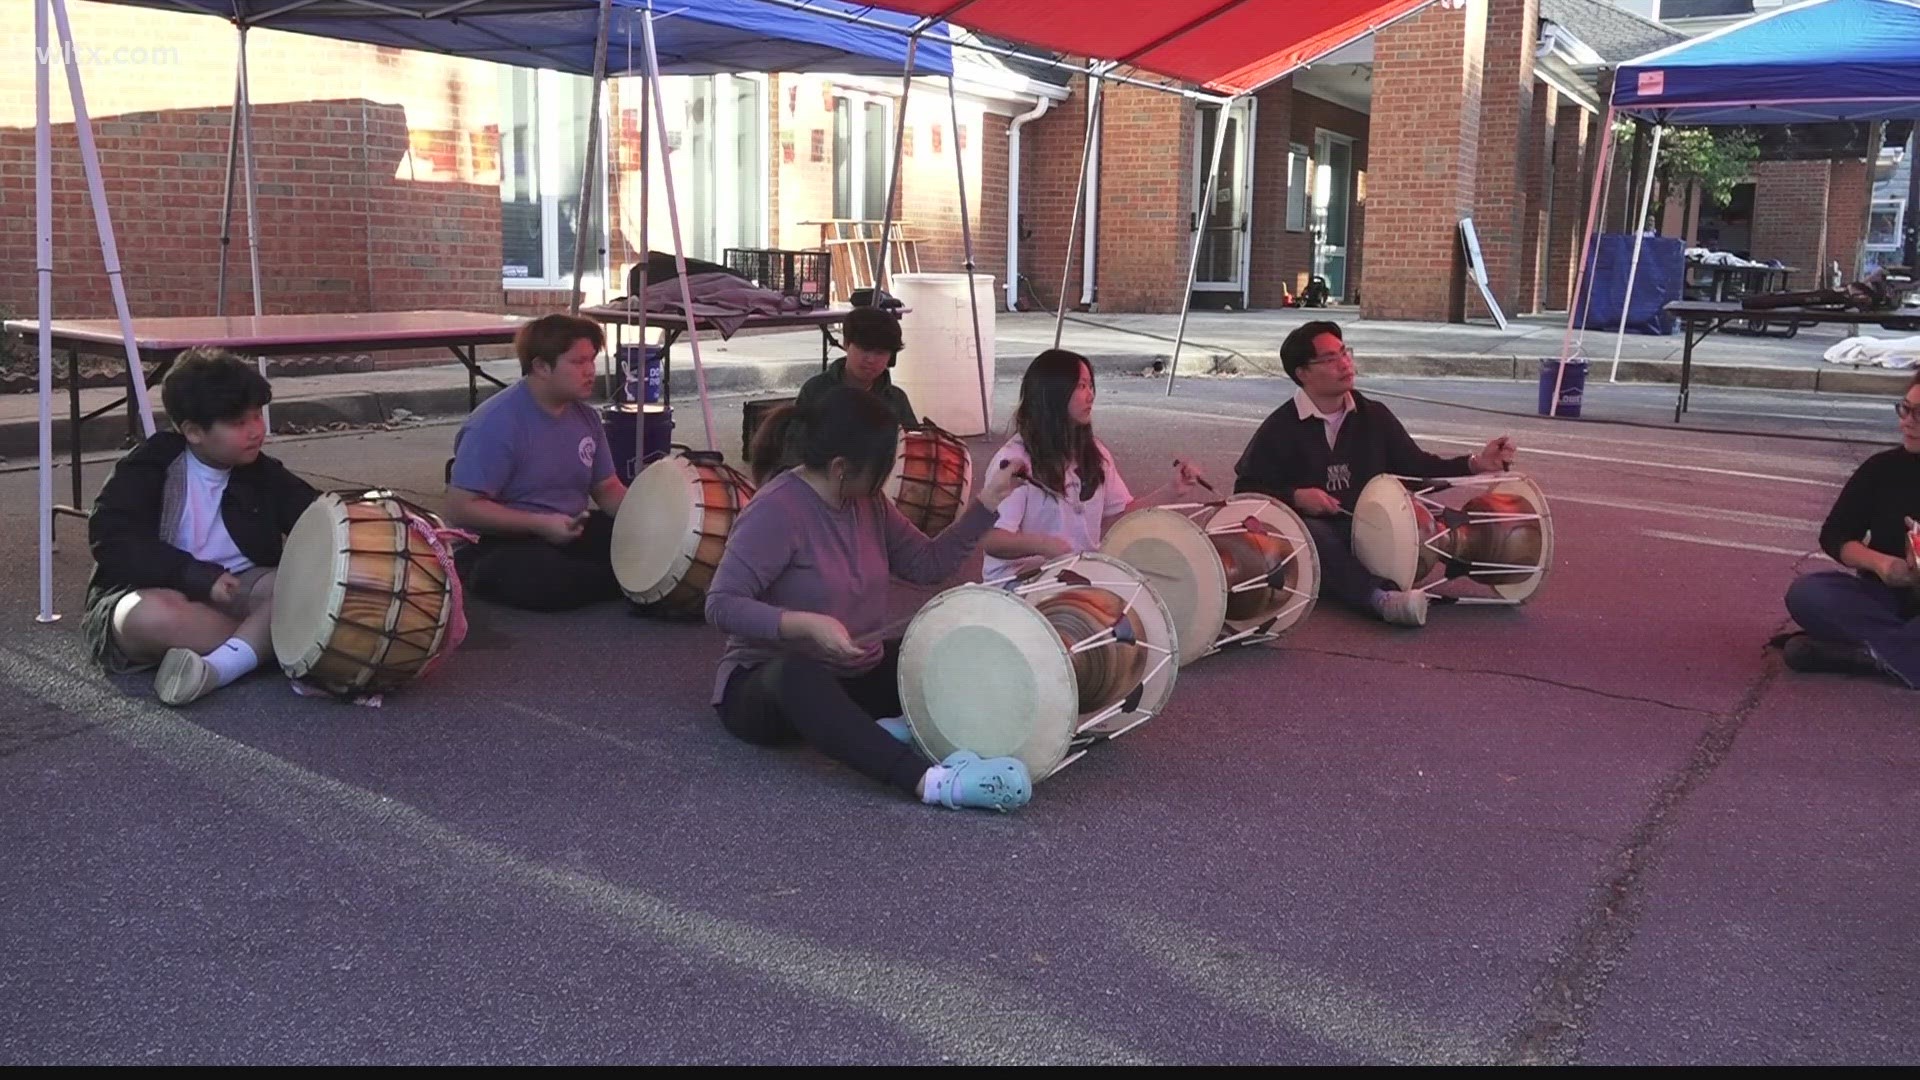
column 529, row 467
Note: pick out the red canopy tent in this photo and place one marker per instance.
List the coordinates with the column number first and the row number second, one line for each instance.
column 1230, row 48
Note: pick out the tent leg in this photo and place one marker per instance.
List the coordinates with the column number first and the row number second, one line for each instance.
column 673, row 217
column 879, row 260
column 226, row 197
column 966, row 240
column 1199, row 234
column 1633, row 263
column 253, row 218
column 103, row 221
column 1602, row 177
column 1094, row 100
column 587, row 170
column 43, row 269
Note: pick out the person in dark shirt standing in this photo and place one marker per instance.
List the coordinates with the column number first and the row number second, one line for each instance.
column 1317, row 452
column 1862, row 620
column 873, row 339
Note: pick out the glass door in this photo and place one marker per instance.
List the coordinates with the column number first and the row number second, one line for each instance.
column 1224, row 223
column 1332, row 201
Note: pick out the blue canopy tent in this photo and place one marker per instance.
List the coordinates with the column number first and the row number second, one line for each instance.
column 582, row 37
column 1824, row 60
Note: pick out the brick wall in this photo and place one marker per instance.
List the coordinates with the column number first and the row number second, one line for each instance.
column 1274, row 262
column 1789, row 220
column 1537, row 196
column 1146, row 197
column 1575, row 141
column 1848, row 195
column 1050, row 152
column 1505, row 150
column 1424, row 157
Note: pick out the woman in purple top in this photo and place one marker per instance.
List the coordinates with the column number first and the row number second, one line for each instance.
column 802, row 595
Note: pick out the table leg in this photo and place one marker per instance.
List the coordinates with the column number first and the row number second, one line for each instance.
column 74, row 421
column 1686, row 367
column 826, row 343
column 473, row 378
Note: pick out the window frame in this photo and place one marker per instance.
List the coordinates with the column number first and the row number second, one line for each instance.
column 548, row 91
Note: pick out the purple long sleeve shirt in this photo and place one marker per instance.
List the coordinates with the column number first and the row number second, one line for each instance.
column 790, row 551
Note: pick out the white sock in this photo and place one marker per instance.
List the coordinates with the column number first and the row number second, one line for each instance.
column 232, row 659
column 935, row 784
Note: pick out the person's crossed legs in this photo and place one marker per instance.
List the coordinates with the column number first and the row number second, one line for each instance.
column 199, row 646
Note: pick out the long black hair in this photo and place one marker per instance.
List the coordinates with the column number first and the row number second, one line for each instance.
column 1052, row 439
column 841, row 423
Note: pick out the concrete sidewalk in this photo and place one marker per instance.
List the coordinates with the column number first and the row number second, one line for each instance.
column 1218, row 343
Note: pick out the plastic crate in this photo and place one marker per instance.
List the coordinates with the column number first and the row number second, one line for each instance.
column 804, row 275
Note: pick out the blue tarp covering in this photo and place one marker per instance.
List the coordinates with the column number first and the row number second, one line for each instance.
column 1819, row 61
column 694, row 37
column 1659, row 282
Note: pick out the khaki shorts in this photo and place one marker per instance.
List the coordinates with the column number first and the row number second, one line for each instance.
column 97, row 625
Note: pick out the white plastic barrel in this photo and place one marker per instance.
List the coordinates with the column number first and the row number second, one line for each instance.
column 936, row 366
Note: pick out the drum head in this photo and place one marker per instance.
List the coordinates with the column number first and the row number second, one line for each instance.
column 1178, row 560
column 1386, row 534
column 1304, row 579
column 981, row 669
column 1147, row 609
column 657, row 528
column 1525, row 488
column 310, row 584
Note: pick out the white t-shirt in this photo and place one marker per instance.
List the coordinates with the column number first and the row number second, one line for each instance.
column 202, row 532
column 1030, row 510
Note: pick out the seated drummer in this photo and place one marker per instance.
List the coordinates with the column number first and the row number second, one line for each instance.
column 532, row 475
column 872, row 338
column 1318, row 451
column 186, row 535
column 1865, row 620
column 1075, row 491
column 802, row 594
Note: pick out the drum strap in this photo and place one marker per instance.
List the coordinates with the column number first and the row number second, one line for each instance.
column 438, row 537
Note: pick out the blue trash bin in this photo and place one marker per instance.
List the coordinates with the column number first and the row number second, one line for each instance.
column 656, row 437
column 643, row 371
column 1572, row 387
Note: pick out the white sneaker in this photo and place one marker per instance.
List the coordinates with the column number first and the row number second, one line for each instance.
column 184, row 677
column 1407, row 608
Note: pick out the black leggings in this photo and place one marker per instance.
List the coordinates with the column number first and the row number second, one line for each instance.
column 795, row 698
column 530, row 573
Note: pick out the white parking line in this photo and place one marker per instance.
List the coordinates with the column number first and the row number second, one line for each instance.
column 1687, row 538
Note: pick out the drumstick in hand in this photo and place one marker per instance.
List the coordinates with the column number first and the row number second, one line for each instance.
column 1201, row 480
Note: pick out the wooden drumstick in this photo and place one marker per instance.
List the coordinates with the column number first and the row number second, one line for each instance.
column 1201, row 480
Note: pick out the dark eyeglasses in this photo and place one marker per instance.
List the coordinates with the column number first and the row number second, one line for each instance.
column 1903, row 410
column 1345, row 353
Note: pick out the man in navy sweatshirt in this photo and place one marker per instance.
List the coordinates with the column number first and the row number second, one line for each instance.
column 1319, row 449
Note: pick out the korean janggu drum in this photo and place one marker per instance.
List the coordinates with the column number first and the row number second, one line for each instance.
column 365, row 598
column 1040, row 666
column 932, row 478
column 1493, row 529
column 1238, row 572
column 672, row 528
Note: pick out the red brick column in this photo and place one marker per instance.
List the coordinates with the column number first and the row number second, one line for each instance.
column 1848, row 195
column 1049, row 168
column 1270, row 267
column 1576, row 139
column 1142, row 240
column 1790, row 216
column 1423, row 156
column 1506, row 112
column 1537, row 196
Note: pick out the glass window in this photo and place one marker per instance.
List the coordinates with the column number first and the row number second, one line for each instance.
column 1296, row 188
column 1883, row 224
column 543, row 137
column 862, row 157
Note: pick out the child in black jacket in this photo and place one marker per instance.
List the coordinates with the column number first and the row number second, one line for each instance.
column 186, row 535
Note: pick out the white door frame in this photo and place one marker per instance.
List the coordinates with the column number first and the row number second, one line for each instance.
column 1323, row 141
column 1245, row 112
